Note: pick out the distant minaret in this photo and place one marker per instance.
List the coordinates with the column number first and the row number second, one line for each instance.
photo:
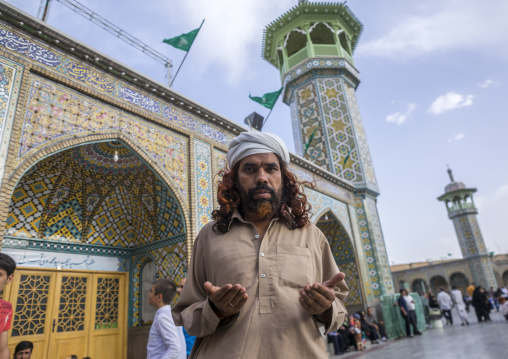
column 462, row 211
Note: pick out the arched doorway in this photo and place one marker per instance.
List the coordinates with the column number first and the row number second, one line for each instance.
column 499, row 279
column 419, row 286
column 403, row 284
column 344, row 254
column 505, row 278
column 437, row 282
column 80, row 220
column 460, row 281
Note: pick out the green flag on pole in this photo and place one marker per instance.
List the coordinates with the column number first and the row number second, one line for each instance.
column 183, row 41
column 268, row 100
column 307, row 145
column 347, row 157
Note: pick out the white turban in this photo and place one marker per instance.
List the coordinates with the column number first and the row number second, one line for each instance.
column 252, row 143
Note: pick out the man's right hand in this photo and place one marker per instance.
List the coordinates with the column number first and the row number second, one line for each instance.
column 227, row 300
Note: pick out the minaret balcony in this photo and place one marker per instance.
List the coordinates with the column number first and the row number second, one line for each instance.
column 314, row 51
column 462, row 212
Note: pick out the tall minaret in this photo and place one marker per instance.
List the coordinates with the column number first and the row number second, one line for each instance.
column 312, row 46
column 462, row 211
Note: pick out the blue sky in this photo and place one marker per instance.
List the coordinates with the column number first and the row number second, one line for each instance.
column 433, row 92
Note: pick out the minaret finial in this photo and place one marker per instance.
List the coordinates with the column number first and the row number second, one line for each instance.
column 450, row 173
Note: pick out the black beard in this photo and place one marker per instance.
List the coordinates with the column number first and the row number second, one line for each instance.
column 262, row 207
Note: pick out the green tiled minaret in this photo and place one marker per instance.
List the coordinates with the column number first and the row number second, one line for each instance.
column 312, row 46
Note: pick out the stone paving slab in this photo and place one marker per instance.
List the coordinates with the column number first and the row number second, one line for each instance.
column 477, row 341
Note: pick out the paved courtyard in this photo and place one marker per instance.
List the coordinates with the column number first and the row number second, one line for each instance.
column 476, row 341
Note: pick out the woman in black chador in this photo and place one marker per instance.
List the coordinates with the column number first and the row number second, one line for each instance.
column 481, row 304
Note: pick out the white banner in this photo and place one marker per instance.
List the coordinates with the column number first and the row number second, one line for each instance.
column 41, row 259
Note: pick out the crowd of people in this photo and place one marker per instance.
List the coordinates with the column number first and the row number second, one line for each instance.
column 359, row 327
column 483, row 301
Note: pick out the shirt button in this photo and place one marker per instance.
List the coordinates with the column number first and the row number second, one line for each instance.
column 262, row 254
column 263, row 275
column 256, row 236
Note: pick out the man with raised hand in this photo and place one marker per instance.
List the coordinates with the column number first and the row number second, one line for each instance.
column 262, row 278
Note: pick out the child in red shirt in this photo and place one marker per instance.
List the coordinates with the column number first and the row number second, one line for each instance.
column 7, row 267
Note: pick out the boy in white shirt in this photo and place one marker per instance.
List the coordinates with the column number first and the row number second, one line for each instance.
column 165, row 341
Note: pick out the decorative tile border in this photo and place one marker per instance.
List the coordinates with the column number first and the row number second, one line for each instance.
column 368, row 248
column 84, row 248
column 10, row 82
column 135, row 288
column 219, row 164
column 203, row 180
column 25, row 47
column 360, row 255
column 321, row 63
column 64, row 246
column 383, row 265
column 361, row 138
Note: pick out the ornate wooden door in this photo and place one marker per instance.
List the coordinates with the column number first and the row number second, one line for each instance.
column 108, row 337
column 31, row 294
column 69, row 312
column 69, row 324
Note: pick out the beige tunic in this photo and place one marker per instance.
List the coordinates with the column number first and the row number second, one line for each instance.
column 272, row 323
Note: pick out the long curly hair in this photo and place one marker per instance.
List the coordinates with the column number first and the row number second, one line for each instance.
column 294, row 211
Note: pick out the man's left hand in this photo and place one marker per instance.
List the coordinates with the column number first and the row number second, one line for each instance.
column 318, row 298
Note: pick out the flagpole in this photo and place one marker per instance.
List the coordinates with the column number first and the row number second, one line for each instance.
column 171, row 84
column 267, row 117
column 269, row 113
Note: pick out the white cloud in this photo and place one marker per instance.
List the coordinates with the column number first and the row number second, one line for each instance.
column 486, row 83
column 233, row 42
column 450, row 101
column 398, row 117
column 457, row 137
column 444, row 25
column 502, row 191
column 494, row 202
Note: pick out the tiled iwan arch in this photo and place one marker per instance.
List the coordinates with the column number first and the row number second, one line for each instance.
column 344, row 255
column 80, row 200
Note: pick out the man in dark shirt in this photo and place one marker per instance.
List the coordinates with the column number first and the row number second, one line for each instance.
column 408, row 314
